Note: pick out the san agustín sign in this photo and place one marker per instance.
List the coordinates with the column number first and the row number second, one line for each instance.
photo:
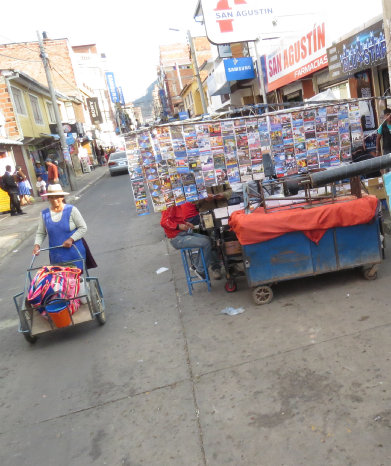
column 229, row 21
column 300, row 58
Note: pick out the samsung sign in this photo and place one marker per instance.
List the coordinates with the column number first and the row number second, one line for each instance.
column 112, row 87
column 237, row 69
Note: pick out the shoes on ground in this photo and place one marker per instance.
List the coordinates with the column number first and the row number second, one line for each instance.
column 22, row 213
column 216, row 274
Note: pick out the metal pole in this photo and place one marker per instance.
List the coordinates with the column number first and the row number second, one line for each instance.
column 197, row 73
column 387, row 32
column 64, row 145
column 260, row 73
column 179, row 75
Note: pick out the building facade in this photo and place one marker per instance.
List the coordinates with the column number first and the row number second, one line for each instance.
column 28, row 116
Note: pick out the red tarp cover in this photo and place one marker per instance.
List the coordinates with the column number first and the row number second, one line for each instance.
column 313, row 222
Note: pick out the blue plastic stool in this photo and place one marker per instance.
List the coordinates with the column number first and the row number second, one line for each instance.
column 187, row 259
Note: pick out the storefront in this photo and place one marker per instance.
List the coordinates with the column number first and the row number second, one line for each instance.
column 6, row 158
column 289, row 70
column 358, row 68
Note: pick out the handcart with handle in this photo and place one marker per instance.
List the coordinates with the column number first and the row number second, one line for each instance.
column 32, row 324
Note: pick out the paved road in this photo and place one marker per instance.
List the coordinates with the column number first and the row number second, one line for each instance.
column 170, row 381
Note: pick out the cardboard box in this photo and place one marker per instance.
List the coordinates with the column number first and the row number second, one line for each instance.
column 376, row 188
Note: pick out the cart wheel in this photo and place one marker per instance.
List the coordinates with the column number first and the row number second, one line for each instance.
column 30, row 338
column 230, row 286
column 369, row 274
column 262, row 294
column 97, row 304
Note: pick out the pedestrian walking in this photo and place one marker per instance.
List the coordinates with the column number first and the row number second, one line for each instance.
column 11, row 187
column 384, row 132
column 24, row 186
column 61, row 175
column 52, row 172
column 64, row 226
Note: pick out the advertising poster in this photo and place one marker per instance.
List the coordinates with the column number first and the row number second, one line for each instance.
column 177, row 163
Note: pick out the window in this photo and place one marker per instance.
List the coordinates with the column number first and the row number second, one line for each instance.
column 70, row 111
column 19, row 101
column 52, row 118
column 36, row 110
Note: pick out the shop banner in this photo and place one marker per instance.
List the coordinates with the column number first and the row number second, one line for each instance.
column 94, row 110
column 359, row 52
column 302, row 57
column 112, row 87
column 237, row 69
column 228, row 21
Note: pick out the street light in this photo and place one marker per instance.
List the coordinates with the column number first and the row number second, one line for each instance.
column 196, row 69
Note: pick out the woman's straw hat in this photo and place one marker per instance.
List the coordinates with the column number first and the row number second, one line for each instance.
column 55, row 190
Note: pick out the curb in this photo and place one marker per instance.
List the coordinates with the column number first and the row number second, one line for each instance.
column 22, row 236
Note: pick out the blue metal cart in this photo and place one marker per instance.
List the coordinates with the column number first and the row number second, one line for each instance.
column 293, row 255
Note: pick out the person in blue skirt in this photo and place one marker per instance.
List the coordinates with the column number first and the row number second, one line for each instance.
column 24, row 186
column 64, row 226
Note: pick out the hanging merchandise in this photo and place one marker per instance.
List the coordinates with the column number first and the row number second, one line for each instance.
column 176, row 163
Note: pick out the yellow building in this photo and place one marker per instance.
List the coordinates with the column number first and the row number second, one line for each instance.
column 28, row 111
column 191, row 96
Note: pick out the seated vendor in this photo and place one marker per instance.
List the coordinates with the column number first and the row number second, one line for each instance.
column 178, row 228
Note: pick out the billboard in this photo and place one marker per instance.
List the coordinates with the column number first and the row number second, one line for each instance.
column 359, row 52
column 121, row 95
column 94, row 110
column 298, row 59
column 229, row 21
column 237, row 69
column 112, row 87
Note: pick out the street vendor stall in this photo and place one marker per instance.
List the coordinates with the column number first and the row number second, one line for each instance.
column 308, row 240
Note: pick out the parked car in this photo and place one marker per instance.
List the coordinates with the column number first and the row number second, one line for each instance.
column 118, row 163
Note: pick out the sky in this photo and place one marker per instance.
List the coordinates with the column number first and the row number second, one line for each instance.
column 129, row 31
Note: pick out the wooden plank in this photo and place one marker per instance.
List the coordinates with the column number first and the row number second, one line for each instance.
column 41, row 325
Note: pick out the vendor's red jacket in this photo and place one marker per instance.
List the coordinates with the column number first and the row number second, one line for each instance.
column 176, row 215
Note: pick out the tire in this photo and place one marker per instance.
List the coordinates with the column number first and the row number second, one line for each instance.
column 111, row 174
column 262, row 294
column 230, row 286
column 368, row 275
column 97, row 304
column 30, row 338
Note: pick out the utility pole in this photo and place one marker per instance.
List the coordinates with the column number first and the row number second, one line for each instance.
column 387, row 32
column 64, row 146
column 260, row 73
column 197, row 73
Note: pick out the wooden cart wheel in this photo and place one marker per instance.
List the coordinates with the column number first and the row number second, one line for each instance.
column 230, row 286
column 97, row 304
column 262, row 294
column 30, row 338
column 369, row 274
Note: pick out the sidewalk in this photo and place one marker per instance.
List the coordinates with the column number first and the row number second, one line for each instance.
column 14, row 230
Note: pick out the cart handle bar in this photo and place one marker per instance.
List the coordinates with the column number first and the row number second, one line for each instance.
column 54, row 247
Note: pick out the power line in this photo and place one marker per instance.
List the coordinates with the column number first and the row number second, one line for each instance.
column 63, row 77
column 19, row 43
column 19, row 59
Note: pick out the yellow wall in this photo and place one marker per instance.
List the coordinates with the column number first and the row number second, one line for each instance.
column 197, row 104
column 4, row 201
column 28, row 125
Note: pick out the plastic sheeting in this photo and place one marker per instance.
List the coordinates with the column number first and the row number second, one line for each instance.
column 312, row 221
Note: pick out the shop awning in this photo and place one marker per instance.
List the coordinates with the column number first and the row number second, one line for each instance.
column 10, row 142
column 45, row 135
